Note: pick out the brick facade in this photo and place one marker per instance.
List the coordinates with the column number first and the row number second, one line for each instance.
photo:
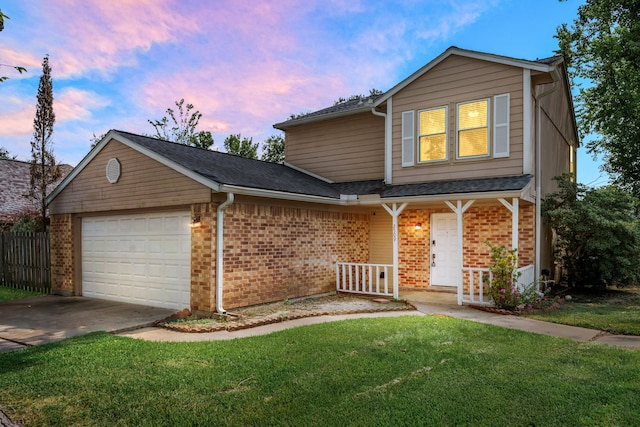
column 275, row 252
column 272, row 253
column 480, row 223
column 62, row 254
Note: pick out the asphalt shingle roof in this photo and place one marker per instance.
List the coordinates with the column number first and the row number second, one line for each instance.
column 15, row 185
column 229, row 169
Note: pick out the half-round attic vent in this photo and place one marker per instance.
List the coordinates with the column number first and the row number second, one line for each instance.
column 113, row 170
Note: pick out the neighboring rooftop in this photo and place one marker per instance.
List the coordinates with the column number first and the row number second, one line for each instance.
column 15, row 185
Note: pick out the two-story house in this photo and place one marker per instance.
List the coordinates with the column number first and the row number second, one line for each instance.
column 377, row 195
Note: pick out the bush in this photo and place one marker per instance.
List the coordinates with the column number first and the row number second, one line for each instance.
column 598, row 233
column 504, row 290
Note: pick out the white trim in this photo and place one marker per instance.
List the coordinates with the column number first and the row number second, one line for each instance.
column 514, row 209
column 395, row 212
column 488, row 101
column 496, row 125
column 273, row 194
column 459, row 210
column 526, row 121
column 419, row 135
column 408, row 140
column 220, row 251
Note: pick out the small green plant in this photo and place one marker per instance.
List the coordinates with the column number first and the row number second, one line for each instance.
column 503, row 289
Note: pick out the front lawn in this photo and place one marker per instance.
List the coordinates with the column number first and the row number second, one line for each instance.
column 408, row 370
column 8, row 294
column 615, row 311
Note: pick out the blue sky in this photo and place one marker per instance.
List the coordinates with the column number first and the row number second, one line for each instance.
column 244, row 64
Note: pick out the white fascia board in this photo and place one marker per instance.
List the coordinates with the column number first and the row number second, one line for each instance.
column 532, row 65
column 444, row 197
column 272, row 194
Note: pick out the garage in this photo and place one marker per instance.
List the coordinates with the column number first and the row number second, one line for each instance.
column 138, row 258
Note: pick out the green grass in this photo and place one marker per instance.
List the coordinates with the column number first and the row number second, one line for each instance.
column 8, row 294
column 408, row 370
column 614, row 311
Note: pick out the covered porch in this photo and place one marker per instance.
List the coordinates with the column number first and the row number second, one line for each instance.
column 435, row 247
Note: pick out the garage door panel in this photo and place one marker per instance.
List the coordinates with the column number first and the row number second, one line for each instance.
column 142, row 258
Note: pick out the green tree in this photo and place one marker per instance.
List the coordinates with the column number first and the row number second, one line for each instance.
column 273, row 149
column 597, row 233
column 181, row 128
column 602, row 50
column 373, row 93
column 44, row 170
column 244, row 147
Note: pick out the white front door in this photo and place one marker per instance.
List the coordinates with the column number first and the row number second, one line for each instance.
column 444, row 250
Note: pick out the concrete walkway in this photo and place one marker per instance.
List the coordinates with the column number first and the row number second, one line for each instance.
column 443, row 304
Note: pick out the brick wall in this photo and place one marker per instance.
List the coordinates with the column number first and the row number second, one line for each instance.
column 480, row 223
column 272, row 253
column 62, row 254
column 203, row 264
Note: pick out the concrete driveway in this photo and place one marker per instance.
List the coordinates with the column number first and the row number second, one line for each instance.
column 38, row 320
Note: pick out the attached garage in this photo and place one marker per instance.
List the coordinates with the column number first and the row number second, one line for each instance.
column 138, row 258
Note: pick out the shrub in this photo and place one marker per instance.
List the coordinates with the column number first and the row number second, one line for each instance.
column 598, row 233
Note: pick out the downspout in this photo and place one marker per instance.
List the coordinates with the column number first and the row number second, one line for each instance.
column 220, row 251
column 387, row 140
column 538, row 98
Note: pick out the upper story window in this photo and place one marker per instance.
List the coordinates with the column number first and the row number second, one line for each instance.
column 482, row 130
column 432, row 131
column 473, row 129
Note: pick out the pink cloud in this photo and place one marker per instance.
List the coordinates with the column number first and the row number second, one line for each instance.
column 103, row 35
column 18, row 122
column 75, row 104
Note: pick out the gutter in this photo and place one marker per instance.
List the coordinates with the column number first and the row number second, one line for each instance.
column 388, row 149
column 220, row 251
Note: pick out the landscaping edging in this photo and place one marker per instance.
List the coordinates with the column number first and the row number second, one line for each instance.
column 268, row 320
column 554, row 306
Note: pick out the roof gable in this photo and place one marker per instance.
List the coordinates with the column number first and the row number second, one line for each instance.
column 544, row 65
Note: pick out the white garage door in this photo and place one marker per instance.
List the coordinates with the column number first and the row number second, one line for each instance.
column 140, row 259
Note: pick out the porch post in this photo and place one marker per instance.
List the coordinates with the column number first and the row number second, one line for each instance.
column 395, row 212
column 513, row 208
column 459, row 210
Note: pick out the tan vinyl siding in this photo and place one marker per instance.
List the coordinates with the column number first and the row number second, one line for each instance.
column 380, row 237
column 344, row 149
column 143, row 183
column 459, row 79
column 557, row 136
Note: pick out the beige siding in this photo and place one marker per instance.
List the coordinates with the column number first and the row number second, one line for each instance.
column 380, row 237
column 344, row 149
column 143, row 183
column 458, row 79
column 557, row 135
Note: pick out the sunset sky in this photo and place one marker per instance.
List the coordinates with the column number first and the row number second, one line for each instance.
column 244, row 64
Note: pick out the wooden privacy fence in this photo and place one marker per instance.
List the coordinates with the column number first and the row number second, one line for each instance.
column 25, row 261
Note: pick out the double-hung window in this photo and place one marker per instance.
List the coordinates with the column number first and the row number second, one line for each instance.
column 473, row 129
column 432, row 134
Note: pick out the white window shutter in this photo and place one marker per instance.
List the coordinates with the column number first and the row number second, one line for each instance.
column 501, row 125
column 408, row 141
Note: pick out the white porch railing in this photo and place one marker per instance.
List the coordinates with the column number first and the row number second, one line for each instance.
column 370, row 279
column 478, row 292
